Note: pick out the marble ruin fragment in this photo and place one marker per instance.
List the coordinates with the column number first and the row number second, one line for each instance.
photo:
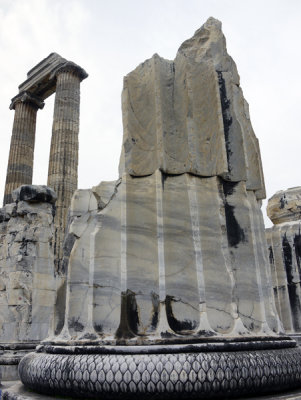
column 53, row 74
column 284, row 246
column 168, row 291
column 27, row 280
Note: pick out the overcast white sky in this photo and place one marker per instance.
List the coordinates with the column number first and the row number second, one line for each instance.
column 110, row 38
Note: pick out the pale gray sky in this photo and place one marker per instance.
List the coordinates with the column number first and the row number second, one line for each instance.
column 110, row 38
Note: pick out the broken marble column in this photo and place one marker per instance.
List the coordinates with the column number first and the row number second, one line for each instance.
column 20, row 162
column 169, row 292
column 27, row 279
column 284, row 246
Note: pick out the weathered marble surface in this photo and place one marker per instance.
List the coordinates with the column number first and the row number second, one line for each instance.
column 189, row 115
column 284, row 241
column 27, row 281
column 167, row 255
column 176, row 246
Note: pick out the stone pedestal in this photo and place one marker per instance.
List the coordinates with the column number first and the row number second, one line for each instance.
column 168, row 292
column 20, row 163
column 284, row 241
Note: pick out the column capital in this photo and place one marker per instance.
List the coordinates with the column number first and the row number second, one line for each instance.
column 71, row 67
column 26, row 97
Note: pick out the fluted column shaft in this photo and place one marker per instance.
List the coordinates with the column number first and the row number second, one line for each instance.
column 20, row 162
column 63, row 160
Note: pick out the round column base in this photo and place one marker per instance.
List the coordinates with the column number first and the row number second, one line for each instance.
column 167, row 375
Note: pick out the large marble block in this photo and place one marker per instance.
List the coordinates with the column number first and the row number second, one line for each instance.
column 189, row 115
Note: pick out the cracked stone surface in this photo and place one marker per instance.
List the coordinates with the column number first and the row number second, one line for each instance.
column 284, row 246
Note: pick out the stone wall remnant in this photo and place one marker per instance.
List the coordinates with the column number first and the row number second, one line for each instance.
column 27, row 277
column 53, row 74
column 168, row 292
column 284, row 246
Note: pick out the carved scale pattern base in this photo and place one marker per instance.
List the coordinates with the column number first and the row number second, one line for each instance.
column 167, row 376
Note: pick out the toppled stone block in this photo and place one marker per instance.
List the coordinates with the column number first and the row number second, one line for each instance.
column 34, row 194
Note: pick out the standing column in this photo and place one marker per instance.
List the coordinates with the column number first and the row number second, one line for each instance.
column 63, row 160
column 20, row 162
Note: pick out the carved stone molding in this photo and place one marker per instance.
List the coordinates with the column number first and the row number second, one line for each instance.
column 71, row 67
column 191, row 375
column 25, row 97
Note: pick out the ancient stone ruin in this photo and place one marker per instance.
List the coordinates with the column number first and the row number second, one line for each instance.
column 284, row 246
column 27, row 281
column 53, row 74
column 33, row 219
column 169, row 293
